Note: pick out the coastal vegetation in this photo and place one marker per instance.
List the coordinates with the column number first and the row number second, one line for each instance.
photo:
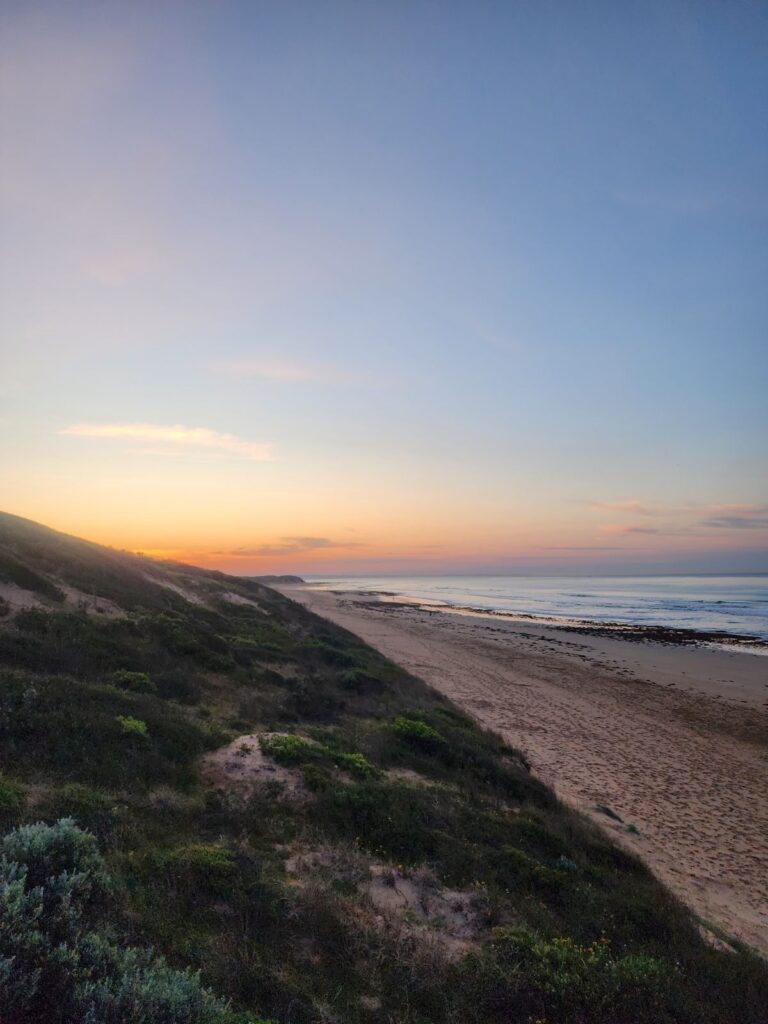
column 377, row 858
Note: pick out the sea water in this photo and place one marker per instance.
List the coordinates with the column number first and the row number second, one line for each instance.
column 730, row 604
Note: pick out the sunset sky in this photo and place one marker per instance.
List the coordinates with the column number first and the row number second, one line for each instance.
column 386, row 287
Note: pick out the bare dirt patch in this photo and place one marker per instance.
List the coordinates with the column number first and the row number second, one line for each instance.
column 16, row 597
column 416, row 903
column 242, row 769
column 91, row 603
column 409, row 776
column 233, row 598
column 189, row 595
column 407, row 905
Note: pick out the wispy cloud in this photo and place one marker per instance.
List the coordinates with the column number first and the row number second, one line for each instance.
column 754, row 517
column 579, row 547
column 288, row 546
column 175, row 435
column 290, row 371
column 688, row 518
column 618, row 528
column 633, row 507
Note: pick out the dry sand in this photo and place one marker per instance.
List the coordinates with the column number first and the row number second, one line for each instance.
column 674, row 740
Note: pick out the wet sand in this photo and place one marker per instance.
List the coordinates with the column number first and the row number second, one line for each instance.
column 671, row 739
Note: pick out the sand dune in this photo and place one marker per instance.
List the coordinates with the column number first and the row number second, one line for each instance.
column 673, row 741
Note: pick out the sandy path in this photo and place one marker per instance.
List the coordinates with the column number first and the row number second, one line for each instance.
column 673, row 740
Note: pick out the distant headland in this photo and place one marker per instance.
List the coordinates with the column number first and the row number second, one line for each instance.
column 276, row 579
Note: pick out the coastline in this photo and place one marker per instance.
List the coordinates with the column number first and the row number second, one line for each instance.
column 663, row 744
column 636, row 632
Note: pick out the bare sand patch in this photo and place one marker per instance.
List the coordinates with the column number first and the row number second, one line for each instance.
column 407, row 904
column 409, row 776
column 241, row 769
column 233, row 598
column 91, row 603
column 416, row 903
column 17, row 597
column 186, row 592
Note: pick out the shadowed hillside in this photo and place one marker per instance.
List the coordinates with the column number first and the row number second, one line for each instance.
column 252, row 794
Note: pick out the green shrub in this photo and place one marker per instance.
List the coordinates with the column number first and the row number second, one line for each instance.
column 561, row 980
column 69, row 730
column 315, row 699
column 90, row 808
column 359, row 681
column 534, row 836
column 57, row 964
column 179, row 684
column 288, row 749
column 133, row 726
column 46, row 852
column 515, row 869
column 317, row 778
column 385, row 818
column 323, row 653
column 200, row 866
column 418, row 734
column 11, row 798
column 73, row 642
column 137, row 682
column 358, row 764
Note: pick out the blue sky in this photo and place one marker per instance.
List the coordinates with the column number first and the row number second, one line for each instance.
column 474, row 273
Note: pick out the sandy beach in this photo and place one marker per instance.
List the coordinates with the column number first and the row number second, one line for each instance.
column 671, row 740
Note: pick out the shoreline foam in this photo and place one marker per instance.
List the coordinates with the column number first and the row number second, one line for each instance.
column 665, row 614
column 624, row 630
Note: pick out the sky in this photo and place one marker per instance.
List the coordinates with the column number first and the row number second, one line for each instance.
column 388, row 287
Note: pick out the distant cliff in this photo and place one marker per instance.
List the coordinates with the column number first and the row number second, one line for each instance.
column 276, row 579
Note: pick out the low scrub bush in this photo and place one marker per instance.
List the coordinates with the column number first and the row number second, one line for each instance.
column 58, row 965
column 72, row 730
column 46, row 852
column 387, row 819
column 320, row 652
column 311, row 699
column 356, row 763
column 137, row 682
column 560, row 980
column 534, row 836
column 418, row 734
column 360, row 681
column 516, row 870
column 179, row 684
column 11, row 799
column 90, row 808
column 201, row 867
column 133, row 726
column 289, row 749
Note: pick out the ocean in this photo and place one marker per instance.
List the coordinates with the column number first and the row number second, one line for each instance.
column 730, row 604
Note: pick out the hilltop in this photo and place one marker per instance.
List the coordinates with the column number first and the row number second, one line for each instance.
column 200, row 775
